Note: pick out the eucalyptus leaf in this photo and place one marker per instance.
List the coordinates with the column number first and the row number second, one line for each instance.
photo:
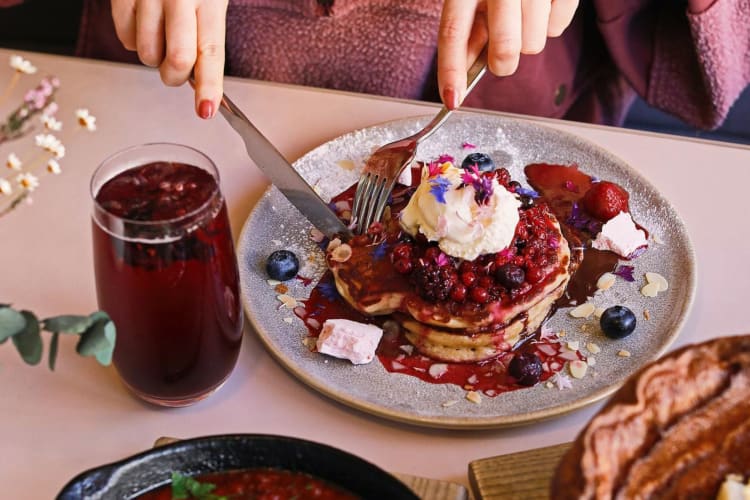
column 98, row 340
column 29, row 341
column 52, row 356
column 67, row 324
column 12, row 323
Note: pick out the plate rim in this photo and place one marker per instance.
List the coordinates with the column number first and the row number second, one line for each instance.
column 473, row 422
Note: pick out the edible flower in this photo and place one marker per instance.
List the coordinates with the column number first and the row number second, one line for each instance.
column 444, row 158
column 468, row 145
column 625, row 272
column 522, row 191
column 581, row 220
column 482, row 185
column 5, row 187
column 439, row 186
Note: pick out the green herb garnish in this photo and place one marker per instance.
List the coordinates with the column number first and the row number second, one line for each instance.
column 96, row 334
column 187, row 487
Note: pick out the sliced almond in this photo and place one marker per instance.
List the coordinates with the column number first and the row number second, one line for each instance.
column 593, row 348
column 474, row 397
column 273, row 282
column 646, row 314
column 578, row 368
column 658, row 278
column 287, row 301
column 606, row 281
column 346, row 164
column 650, row 290
column 583, row 311
column 288, row 320
column 623, row 353
column 573, row 345
column 591, row 361
column 450, row 403
column 598, row 312
column 333, row 244
column 549, row 385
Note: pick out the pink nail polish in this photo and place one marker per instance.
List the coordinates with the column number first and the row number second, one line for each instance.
column 450, row 98
column 205, row 109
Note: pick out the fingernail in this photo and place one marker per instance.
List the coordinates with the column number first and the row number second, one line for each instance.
column 450, row 98
column 206, row 109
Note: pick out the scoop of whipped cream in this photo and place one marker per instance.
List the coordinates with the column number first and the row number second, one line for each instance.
column 466, row 219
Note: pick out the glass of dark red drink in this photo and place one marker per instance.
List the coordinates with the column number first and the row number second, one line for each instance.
column 166, row 271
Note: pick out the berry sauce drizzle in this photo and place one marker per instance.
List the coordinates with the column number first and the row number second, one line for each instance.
column 560, row 187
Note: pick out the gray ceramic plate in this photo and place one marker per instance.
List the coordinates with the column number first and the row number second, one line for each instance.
column 275, row 224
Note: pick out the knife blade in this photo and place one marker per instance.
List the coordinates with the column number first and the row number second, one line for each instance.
column 281, row 173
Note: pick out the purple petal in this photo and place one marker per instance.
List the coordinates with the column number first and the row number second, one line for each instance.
column 527, row 192
column 625, row 272
column 445, row 158
column 468, row 145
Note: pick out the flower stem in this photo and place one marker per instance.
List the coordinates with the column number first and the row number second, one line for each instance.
column 9, row 88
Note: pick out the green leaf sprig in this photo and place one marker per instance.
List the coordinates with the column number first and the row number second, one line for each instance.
column 186, row 487
column 96, row 334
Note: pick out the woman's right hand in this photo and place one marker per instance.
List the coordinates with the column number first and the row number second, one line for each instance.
column 179, row 37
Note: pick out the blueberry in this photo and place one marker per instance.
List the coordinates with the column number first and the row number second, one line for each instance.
column 483, row 162
column 617, row 322
column 510, row 276
column 526, row 368
column 282, row 265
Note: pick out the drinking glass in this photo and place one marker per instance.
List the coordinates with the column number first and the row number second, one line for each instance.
column 166, row 271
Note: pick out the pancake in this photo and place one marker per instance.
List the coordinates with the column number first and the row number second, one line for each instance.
column 442, row 327
column 676, row 429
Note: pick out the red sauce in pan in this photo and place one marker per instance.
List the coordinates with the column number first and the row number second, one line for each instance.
column 262, row 484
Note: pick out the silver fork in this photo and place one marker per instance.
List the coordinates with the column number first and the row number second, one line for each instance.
column 384, row 166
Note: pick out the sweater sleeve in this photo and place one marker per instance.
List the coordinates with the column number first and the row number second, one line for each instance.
column 691, row 62
column 10, row 3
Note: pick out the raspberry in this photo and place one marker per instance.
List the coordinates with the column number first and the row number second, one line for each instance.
column 605, row 199
column 402, row 251
column 468, row 278
column 479, row 294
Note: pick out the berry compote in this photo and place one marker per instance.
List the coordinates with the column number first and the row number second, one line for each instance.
column 166, row 273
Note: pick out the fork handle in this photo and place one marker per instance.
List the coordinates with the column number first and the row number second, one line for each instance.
column 476, row 71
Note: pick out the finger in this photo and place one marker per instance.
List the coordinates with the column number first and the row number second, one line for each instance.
column 123, row 15
column 180, row 28
column 504, row 25
column 149, row 28
column 456, row 23
column 561, row 15
column 535, row 20
column 209, row 67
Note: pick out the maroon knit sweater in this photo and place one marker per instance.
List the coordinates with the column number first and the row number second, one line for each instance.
column 692, row 62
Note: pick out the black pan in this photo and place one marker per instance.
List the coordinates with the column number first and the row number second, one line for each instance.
column 145, row 471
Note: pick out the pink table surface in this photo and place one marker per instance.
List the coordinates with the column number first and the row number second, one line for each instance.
column 54, row 425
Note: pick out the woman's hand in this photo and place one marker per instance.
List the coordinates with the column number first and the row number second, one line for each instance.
column 509, row 28
column 179, row 37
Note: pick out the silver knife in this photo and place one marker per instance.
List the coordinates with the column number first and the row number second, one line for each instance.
column 282, row 174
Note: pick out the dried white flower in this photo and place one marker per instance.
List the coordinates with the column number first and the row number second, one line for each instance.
column 13, row 162
column 58, row 151
column 5, row 187
column 22, row 65
column 85, row 119
column 53, row 167
column 47, row 141
column 27, row 181
column 51, row 123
